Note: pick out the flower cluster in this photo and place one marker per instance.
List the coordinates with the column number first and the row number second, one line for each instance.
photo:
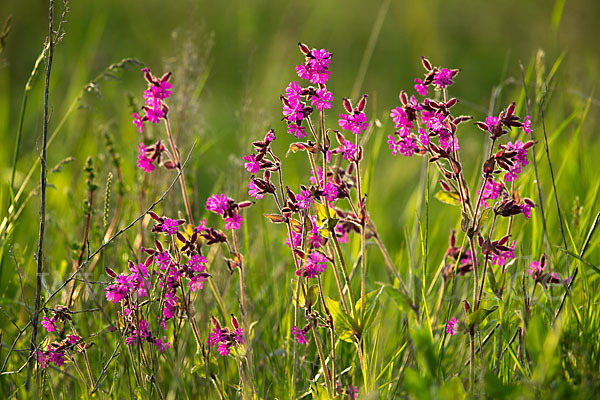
column 166, row 268
column 228, row 209
column 451, row 326
column 355, row 120
column 224, row 338
column 300, row 334
column 57, row 351
column 155, row 108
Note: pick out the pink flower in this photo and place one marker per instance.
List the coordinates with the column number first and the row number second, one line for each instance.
column 526, row 209
column 162, row 344
column 421, row 87
column 491, row 122
column 330, row 191
column 254, row 191
column 158, row 90
column 491, row 191
column 503, row 257
column 201, row 227
column 217, row 204
column 297, row 130
column 144, row 162
column 443, row 78
column 355, row 122
column 527, row 125
column 163, row 259
column 234, row 222
column 197, row 263
column 48, row 324
column 400, row 118
column 451, row 326
column 296, row 237
column 535, row 267
column 293, row 111
column 154, row 114
column 322, row 100
column 252, row 165
column 319, row 60
column 170, row 226
column 138, row 121
column 314, row 265
column 304, row 199
column 293, row 92
column 520, row 160
column 299, row 335
column 348, row 149
column 196, row 283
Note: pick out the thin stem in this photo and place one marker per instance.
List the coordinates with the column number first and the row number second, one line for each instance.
column 40, row 249
column 322, row 358
column 181, row 176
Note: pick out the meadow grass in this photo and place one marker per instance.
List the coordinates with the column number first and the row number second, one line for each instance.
column 545, row 346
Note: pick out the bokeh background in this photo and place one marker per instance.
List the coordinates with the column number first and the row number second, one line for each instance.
column 232, row 59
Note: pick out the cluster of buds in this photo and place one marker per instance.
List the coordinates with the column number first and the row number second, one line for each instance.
column 225, row 338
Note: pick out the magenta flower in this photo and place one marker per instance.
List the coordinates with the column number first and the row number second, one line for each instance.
column 423, row 137
column 491, row 122
column 293, row 111
column 217, row 204
column 269, row 137
column 197, row 263
column 144, row 162
column 320, row 59
column 314, row 265
column 330, row 192
column 299, row 335
column 119, row 290
column 400, row 119
column 196, row 283
column 526, row 209
column 163, row 259
column 451, row 326
column 158, row 90
column 348, row 149
column 535, row 267
column 252, row 165
column 293, row 92
column 234, row 222
column 355, row 122
column 504, row 256
column 296, row 237
column 304, row 71
column 491, row 191
column 304, row 199
column 421, row 87
column 48, row 324
column 201, row 227
column 138, row 121
column 55, row 356
column 162, row 344
column 170, row 226
column 297, row 130
column 443, row 78
column 322, row 100
column 527, row 125
column 447, row 141
column 154, row 114
column 520, row 160
column 254, row 191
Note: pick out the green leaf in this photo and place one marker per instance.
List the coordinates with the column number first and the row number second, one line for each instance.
column 326, row 219
column 584, row 261
column 452, row 389
column 451, row 198
column 311, row 298
column 475, row 318
column 371, row 308
column 398, row 296
column 346, row 327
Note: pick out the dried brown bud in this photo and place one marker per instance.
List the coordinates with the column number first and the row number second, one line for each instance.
column 426, row 63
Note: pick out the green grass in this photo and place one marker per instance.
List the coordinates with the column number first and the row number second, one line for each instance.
column 230, row 62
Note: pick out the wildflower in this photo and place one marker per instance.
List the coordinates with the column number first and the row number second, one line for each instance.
column 293, row 111
column 348, row 149
column 330, row 192
column 527, row 125
column 293, row 92
column 296, row 238
column 144, row 162
column 535, row 268
column 217, row 204
column 322, row 99
column 451, row 326
column 162, row 344
column 269, row 137
column 154, row 114
column 304, row 199
column 158, row 90
column 254, row 191
column 138, row 121
column 197, row 263
column 234, row 222
column 163, row 259
column 299, row 335
column 119, row 290
column 196, row 283
column 491, row 191
column 341, row 233
column 400, row 119
column 421, row 87
column 448, row 141
column 201, row 227
column 48, row 324
column 491, row 123
column 252, row 165
column 320, row 59
column 55, row 356
column 443, row 78
column 170, row 226
column 423, row 137
column 314, row 266
column 526, row 209
column 297, row 130
column 355, row 122
column 503, row 256
column 73, row 339
column 520, row 160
